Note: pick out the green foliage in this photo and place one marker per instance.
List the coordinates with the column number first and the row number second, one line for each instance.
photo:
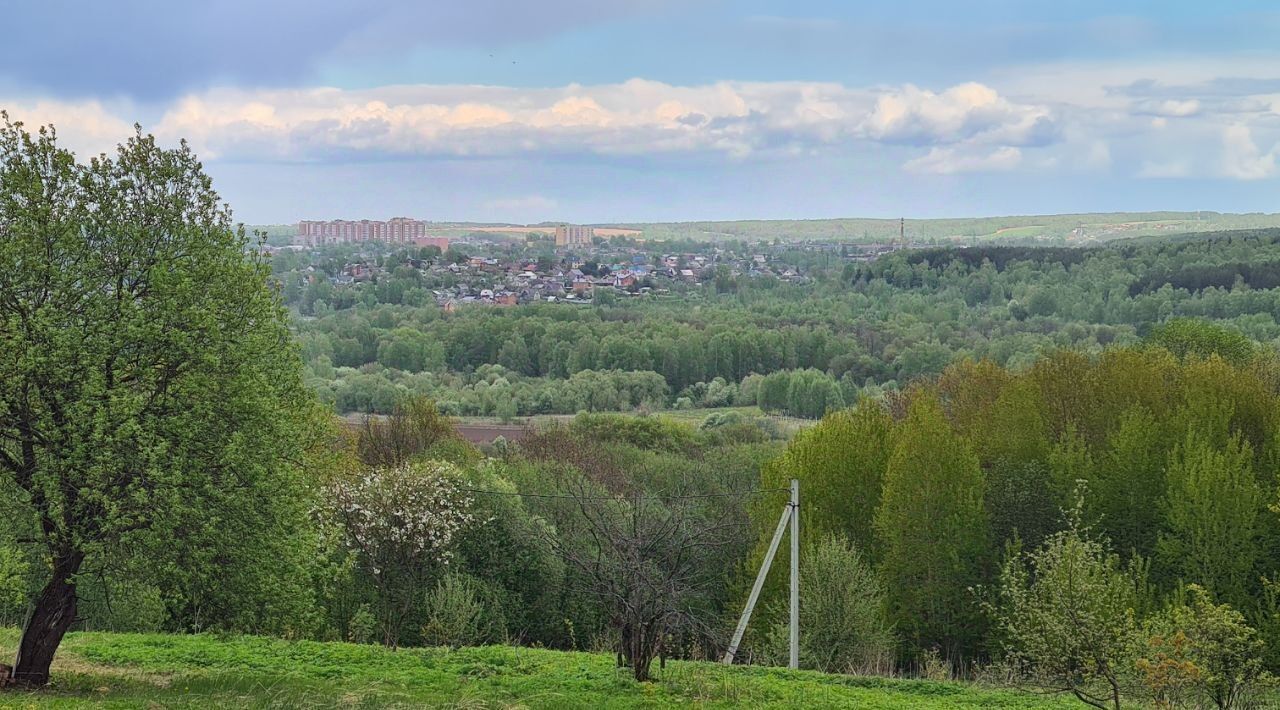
column 1128, row 483
column 510, row 551
column 462, row 611
column 148, row 384
column 1021, row 502
column 1188, row 337
column 108, row 605
column 15, row 571
column 842, row 613
column 1211, row 512
column 932, row 529
column 840, row 464
column 1067, row 616
column 1174, row 452
column 1218, row 656
column 649, row 433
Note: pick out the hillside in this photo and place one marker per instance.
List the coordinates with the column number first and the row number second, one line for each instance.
column 1062, row 228
column 1058, row 229
column 136, row 670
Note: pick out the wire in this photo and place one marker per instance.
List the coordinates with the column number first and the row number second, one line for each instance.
column 738, row 494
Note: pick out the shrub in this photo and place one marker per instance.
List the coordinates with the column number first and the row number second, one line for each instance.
column 462, row 612
column 1068, row 619
column 15, row 571
column 1204, row 649
column 842, row 613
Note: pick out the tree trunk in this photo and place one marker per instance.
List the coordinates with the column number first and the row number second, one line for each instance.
column 52, row 616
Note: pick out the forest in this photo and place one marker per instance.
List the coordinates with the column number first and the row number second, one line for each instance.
column 961, row 526
column 855, row 329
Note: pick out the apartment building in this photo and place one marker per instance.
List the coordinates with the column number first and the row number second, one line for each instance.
column 573, row 235
column 398, row 230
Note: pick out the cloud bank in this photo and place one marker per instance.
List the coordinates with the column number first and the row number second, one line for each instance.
column 1147, row 128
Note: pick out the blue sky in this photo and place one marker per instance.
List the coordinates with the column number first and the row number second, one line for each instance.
column 633, row 110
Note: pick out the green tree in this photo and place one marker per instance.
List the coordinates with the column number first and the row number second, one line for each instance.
column 840, row 463
column 842, row 612
column 1022, row 502
column 1189, row 337
column 1067, row 614
column 1211, row 514
column 933, row 532
column 514, row 356
column 1128, row 483
column 147, row 377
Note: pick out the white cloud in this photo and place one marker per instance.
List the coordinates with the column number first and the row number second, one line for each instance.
column 85, row 127
column 947, row 161
column 1146, row 120
column 1168, row 108
column 968, row 111
column 1242, row 159
column 636, row 117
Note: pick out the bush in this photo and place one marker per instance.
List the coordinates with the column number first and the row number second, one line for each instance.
column 842, row 613
column 15, row 572
column 716, row 420
column 120, row 606
column 649, row 433
column 1068, row 620
column 462, row 612
column 1202, row 649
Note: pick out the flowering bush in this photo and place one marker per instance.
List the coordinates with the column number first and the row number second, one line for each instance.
column 400, row 523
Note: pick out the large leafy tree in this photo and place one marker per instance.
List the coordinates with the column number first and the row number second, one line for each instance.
column 148, row 383
column 1068, row 619
column 1211, row 515
column 932, row 527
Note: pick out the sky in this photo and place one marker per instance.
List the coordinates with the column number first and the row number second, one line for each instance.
column 602, row 111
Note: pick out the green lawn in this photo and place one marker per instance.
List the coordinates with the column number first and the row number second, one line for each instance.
column 163, row 671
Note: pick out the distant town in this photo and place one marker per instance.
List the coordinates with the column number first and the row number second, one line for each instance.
column 567, row 263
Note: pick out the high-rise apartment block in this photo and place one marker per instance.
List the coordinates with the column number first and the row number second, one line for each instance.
column 573, row 235
column 399, row 230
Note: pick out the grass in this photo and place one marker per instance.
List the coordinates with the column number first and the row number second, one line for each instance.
column 1033, row 230
column 102, row 670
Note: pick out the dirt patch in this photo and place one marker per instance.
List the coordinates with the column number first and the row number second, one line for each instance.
column 486, row 433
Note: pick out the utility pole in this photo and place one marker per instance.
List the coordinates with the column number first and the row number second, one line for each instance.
column 902, row 231
column 790, row 514
column 795, row 574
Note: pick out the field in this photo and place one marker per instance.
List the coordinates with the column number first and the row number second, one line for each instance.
column 1065, row 228
column 162, row 671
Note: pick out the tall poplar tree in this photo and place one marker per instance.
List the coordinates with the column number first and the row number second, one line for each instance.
column 1211, row 518
column 933, row 532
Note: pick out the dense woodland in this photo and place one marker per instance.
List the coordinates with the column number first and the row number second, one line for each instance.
column 856, row 328
column 1150, row 469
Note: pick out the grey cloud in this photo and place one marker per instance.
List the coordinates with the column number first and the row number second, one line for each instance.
column 1220, row 87
column 153, row 49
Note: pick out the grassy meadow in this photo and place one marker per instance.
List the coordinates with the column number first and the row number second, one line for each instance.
column 102, row 670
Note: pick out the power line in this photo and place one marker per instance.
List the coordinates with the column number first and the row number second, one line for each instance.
column 737, row 494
